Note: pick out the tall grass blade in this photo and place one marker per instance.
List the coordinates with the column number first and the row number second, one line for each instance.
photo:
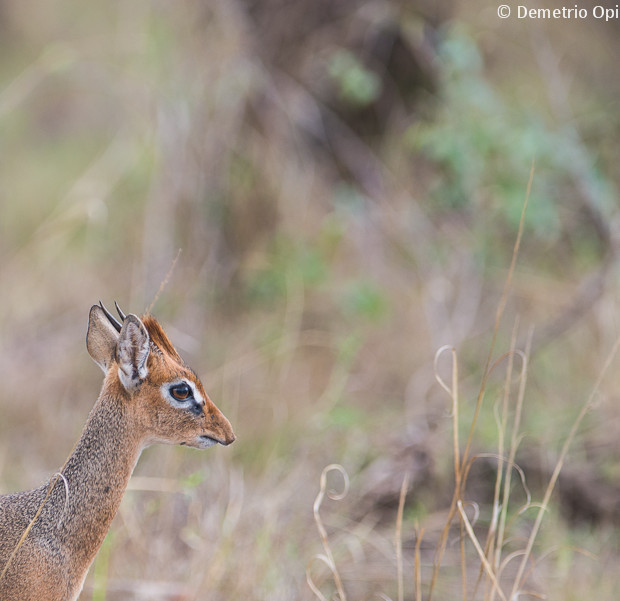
column 518, row 581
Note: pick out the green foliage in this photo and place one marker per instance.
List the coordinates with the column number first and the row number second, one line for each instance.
column 365, row 300
column 344, row 416
column 348, row 348
column 193, row 480
column 286, row 259
column 357, row 85
column 348, row 197
column 483, row 146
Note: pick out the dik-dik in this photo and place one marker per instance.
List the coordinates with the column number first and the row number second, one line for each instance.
column 49, row 536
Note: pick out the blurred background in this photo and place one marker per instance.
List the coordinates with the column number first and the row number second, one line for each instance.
column 318, row 195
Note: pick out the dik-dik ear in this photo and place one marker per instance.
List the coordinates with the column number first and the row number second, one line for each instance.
column 132, row 351
column 101, row 338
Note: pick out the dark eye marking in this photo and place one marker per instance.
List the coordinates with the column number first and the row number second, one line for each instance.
column 181, row 392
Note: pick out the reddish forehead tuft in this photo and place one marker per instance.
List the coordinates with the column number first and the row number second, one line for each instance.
column 159, row 338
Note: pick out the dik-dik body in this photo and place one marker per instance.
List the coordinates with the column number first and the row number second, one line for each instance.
column 49, row 536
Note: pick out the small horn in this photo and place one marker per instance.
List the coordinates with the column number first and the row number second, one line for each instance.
column 111, row 318
column 120, row 312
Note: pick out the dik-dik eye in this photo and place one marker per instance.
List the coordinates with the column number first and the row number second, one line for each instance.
column 181, row 392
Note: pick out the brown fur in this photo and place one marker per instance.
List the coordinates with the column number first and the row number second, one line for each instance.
column 159, row 338
column 52, row 561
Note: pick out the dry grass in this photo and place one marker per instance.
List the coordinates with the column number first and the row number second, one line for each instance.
column 488, row 548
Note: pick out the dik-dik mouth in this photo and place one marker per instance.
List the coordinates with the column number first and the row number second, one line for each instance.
column 204, row 441
column 211, row 440
column 207, row 441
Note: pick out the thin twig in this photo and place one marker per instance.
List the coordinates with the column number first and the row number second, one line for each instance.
column 398, row 541
column 164, row 282
column 474, row 540
column 499, row 313
column 39, row 510
column 29, row 527
column 64, row 511
column 487, row 371
column 416, row 564
column 328, row 558
column 514, row 443
column 453, row 393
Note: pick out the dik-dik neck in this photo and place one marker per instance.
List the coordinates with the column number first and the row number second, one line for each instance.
column 95, row 477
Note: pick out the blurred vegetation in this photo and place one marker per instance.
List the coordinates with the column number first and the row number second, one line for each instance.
column 344, row 182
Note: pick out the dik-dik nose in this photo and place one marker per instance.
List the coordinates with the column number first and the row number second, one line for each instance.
column 220, row 425
column 229, row 435
column 230, row 439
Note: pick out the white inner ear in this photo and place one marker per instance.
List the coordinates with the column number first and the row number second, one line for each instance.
column 133, row 352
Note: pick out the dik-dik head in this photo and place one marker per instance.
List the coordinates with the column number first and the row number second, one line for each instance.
column 145, row 371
